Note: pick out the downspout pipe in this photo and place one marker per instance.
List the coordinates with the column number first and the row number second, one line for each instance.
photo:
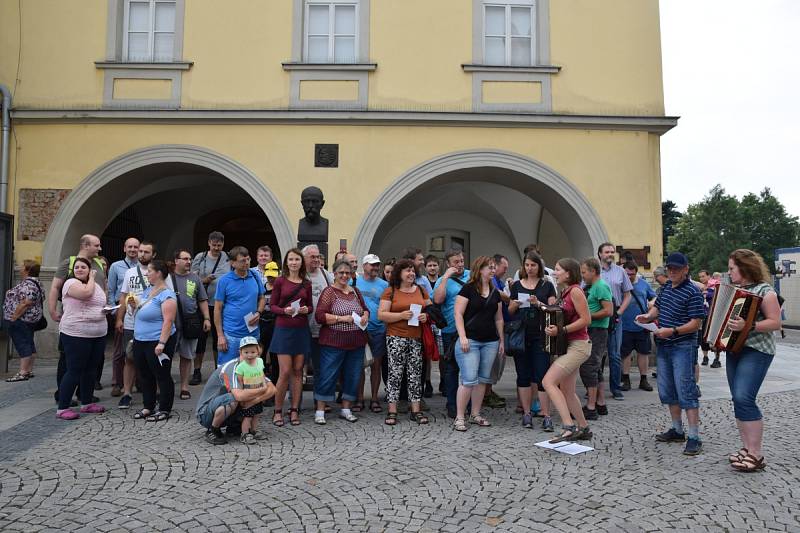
column 4, row 143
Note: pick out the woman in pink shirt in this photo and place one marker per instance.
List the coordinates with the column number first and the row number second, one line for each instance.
column 82, row 330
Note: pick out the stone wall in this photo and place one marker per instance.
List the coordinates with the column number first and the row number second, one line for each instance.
column 37, row 208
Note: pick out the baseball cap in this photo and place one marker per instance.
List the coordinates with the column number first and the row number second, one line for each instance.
column 271, row 269
column 247, row 341
column 659, row 271
column 372, row 259
column 677, row 259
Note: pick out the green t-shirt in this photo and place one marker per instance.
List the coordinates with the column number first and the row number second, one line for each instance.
column 598, row 293
column 251, row 376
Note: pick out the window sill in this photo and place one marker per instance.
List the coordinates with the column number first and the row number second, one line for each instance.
column 174, row 65
column 331, row 66
column 539, row 69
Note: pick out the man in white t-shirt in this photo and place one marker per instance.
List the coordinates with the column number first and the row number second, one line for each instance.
column 320, row 279
column 134, row 282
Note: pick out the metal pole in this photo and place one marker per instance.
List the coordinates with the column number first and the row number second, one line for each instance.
column 4, row 143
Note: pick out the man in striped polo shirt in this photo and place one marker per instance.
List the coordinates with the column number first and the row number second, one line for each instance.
column 679, row 310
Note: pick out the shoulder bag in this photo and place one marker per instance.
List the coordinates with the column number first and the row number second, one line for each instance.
column 191, row 324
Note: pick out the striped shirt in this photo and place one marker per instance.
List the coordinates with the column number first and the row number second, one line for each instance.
column 677, row 306
column 618, row 281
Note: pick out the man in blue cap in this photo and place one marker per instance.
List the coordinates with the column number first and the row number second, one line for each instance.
column 679, row 310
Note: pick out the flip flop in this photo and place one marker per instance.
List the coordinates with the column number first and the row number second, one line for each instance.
column 185, row 395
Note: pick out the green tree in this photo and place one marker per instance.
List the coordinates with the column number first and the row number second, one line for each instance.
column 669, row 219
column 769, row 225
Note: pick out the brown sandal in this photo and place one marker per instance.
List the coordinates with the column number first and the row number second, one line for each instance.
column 391, row 419
column 375, row 406
column 277, row 418
column 738, row 456
column 418, row 417
column 749, row 464
column 294, row 416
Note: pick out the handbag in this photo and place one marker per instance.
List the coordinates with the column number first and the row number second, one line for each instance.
column 40, row 324
column 515, row 337
column 498, row 366
column 430, row 348
column 191, row 324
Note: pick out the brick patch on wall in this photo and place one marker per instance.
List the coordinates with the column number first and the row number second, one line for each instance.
column 37, row 209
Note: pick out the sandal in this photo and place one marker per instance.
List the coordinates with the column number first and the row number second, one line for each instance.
column 375, row 406
column 418, row 417
column 140, row 414
column 294, row 416
column 391, row 419
column 739, row 456
column 459, row 424
column 158, row 416
column 567, row 433
column 19, row 376
column 479, row 420
column 358, row 407
column 749, row 463
column 185, row 395
column 277, row 418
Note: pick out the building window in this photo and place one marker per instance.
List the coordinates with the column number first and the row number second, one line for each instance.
column 149, row 31
column 508, row 37
column 331, row 32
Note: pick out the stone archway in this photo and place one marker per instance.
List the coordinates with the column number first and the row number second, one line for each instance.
column 553, row 192
column 83, row 210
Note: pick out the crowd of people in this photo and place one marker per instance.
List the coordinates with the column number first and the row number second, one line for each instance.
column 274, row 329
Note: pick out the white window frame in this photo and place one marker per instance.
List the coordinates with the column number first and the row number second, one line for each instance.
column 332, row 5
column 151, row 32
column 530, row 4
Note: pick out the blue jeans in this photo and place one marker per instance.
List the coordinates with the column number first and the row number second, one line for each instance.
column 82, row 355
column 615, row 359
column 331, row 362
column 746, row 372
column 450, row 371
column 476, row 364
column 206, row 415
column 676, row 384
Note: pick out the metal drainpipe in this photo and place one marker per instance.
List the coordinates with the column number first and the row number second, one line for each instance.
column 6, row 124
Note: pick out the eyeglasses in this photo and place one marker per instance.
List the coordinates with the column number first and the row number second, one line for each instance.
column 185, row 258
column 343, row 273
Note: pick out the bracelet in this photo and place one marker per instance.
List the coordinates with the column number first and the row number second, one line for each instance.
column 206, row 318
column 161, row 343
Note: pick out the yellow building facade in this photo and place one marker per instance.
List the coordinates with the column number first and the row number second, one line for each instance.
column 487, row 123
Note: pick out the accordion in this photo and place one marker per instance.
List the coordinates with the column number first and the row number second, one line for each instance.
column 552, row 315
column 730, row 302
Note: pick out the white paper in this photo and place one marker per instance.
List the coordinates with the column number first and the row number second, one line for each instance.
column 295, row 307
column 163, row 357
column 570, row 448
column 416, row 309
column 524, row 299
column 110, row 308
column 357, row 321
column 247, row 318
column 649, row 326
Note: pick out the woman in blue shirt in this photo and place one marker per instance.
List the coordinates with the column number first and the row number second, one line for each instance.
column 154, row 343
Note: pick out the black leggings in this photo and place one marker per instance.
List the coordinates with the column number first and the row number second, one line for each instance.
column 81, row 357
column 150, row 371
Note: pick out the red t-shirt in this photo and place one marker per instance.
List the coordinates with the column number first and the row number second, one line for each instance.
column 284, row 292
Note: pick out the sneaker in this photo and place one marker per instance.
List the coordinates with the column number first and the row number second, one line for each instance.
column 602, row 410
column 626, row 383
column 350, row 417
column 590, row 414
column 93, row 409
column 527, row 421
column 547, row 424
column 645, row 385
column 428, row 391
column 618, row 395
column 319, row 419
column 259, row 435
column 693, row 447
column 247, row 438
column 196, row 378
column 67, row 414
column 116, row 391
column 716, row 364
column 125, row 402
column 705, row 360
column 671, row 436
column 215, row 437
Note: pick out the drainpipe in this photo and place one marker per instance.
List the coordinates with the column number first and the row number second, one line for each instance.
column 6, row 124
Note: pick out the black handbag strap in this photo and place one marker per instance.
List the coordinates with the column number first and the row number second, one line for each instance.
column 294, row 293
column 141, row 277
column 38, row 288
column 177, row 294
column 484, row 306
column 633, row 294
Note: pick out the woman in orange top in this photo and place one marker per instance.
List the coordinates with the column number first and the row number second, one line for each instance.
column 403, row 341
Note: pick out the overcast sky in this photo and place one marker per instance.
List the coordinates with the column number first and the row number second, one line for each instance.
column 732, row 73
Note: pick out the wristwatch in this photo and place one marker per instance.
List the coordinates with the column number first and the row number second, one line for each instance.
column 675, row 332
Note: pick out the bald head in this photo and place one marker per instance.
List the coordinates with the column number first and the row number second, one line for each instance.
column 90, row 246
column 131, row 248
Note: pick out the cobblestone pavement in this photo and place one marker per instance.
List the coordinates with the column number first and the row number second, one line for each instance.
column 110, row 473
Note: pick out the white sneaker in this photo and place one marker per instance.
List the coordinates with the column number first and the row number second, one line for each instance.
column 320, row 419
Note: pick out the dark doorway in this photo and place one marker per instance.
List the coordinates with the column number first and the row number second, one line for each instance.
column 242, row 226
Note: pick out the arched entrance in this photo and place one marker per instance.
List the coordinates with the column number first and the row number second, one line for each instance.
column 166, row 189
column 495, row 202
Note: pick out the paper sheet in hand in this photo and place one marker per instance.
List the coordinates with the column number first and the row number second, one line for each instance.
column 570, row 448
column 416, row 309
column 295, row 306
column 247, row 318
column 649, row 326
column 110, row 308
column 357, row 321
column 524, row 299
column 161, row 358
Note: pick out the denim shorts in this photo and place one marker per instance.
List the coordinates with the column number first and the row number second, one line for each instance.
column 746, row 372
column 21, row 334
column 206, row 416
column 476, row 364
column 676, row 384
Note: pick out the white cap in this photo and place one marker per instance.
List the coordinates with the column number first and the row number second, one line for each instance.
column 248, row 341
column 371, row 259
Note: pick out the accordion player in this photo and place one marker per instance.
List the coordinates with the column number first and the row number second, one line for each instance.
column 553, row 315
column 730, row 302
